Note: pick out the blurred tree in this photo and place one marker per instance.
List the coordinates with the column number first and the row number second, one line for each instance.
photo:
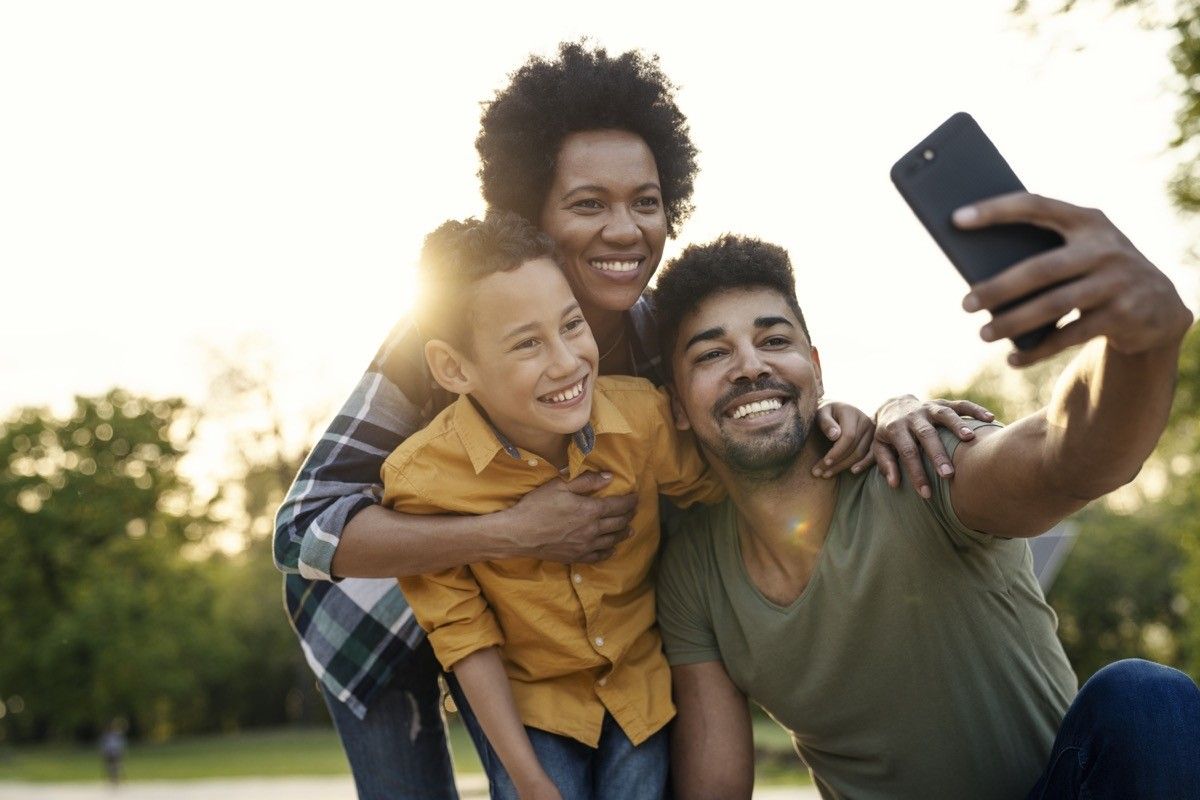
column 1180, row 508
column 271, row 682
column 122, row 593
column 104, row 615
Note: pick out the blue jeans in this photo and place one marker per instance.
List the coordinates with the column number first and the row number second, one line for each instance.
column 1133, row 731
column 399, row 750
column 616, row 770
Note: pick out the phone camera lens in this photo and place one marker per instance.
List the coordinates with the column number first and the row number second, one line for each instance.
column 927, row 155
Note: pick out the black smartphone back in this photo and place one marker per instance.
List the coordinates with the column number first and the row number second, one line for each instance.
column 952, row 167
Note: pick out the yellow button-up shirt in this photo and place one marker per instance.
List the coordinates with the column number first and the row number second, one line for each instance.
column 576, row 639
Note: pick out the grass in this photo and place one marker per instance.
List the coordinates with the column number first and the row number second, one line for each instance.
column 280, row 752
column 289, row 752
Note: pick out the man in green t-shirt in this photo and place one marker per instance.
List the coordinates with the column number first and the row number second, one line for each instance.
column 904, row 642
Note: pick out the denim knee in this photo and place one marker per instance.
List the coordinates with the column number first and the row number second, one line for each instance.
column 1126, row 696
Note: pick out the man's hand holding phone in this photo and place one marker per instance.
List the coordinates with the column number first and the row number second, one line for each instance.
column 1118, row 292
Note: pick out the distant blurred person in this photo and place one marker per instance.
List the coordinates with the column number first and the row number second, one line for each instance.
column 112, row 750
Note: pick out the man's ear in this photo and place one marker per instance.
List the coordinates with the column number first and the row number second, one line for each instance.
column 816, row 359
column 449, row 367
column 682, row 423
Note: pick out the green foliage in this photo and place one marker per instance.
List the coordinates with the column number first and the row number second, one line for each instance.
column 1117, row 595
column 93, row 523
column 114, row 601
column 264, row 680
column 1180, row 507
column 1185, row 56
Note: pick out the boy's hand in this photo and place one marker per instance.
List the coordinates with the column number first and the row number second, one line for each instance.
column 906, row 427
column 539, row 789
column 561, row 521
column 851, row 432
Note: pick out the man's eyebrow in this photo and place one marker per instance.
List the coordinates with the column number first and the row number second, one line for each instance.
column 594, row 189
column 711, row 333
column 717, row 332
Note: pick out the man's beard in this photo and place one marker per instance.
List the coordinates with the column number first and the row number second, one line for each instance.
column 768, row 456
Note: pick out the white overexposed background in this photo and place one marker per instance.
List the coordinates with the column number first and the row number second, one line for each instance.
column 176, row 177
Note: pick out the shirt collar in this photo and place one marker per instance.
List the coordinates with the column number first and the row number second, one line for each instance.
column 483, row 442
column 606, row 417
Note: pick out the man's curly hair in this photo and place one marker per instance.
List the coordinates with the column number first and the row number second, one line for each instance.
column 523, row 127
column 459, row 254
column 702, row 270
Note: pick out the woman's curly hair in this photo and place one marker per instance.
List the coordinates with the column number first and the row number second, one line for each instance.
column 523, row 127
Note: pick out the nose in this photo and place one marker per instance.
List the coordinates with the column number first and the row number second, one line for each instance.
column 563, row 360
column 748, row 365
column 621, row 229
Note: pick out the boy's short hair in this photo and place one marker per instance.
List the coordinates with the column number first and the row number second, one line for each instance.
column 457, row 255
column 729, row 262
column 523, row 127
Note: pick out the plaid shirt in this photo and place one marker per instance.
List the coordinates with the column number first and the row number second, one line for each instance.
column 356, row 632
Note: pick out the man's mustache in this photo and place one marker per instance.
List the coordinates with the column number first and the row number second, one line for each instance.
column 763, row 385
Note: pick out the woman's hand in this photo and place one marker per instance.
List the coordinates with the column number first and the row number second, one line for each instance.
column 564, row 522
column 906, row 426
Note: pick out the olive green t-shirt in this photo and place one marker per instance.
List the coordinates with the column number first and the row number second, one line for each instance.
column 921, row 660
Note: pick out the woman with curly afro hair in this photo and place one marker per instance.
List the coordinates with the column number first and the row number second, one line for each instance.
column 592, row 148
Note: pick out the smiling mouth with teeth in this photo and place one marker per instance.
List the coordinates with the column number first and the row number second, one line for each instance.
column 565, row 395
column 758, row 408
column 616, row 266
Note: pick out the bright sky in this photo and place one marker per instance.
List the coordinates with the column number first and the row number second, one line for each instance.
column 177, row 176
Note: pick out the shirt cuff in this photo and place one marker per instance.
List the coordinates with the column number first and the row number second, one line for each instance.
column 324, row 534
column 453, row 643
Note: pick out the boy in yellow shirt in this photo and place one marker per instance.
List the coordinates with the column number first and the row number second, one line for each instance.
column 562, row 664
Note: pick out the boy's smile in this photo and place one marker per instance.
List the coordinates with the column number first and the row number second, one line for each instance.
column 567, row 398
column 532, row 360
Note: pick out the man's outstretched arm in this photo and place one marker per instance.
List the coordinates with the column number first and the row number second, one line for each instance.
column 712, row 746
column 1110, row 405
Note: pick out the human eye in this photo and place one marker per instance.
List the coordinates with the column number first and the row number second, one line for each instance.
column 524, row 344
column 647, row 203
column 709, row 355
column 776, row 341
column 587, row 204
column 575, row 324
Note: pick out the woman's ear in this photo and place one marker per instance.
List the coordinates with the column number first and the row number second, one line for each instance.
column 448, row 366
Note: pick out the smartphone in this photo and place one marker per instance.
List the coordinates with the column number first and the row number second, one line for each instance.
column 957, row 165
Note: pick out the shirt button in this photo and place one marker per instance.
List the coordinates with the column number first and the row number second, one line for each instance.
column 533, row 462
column 577, row 578
column 599, row 641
